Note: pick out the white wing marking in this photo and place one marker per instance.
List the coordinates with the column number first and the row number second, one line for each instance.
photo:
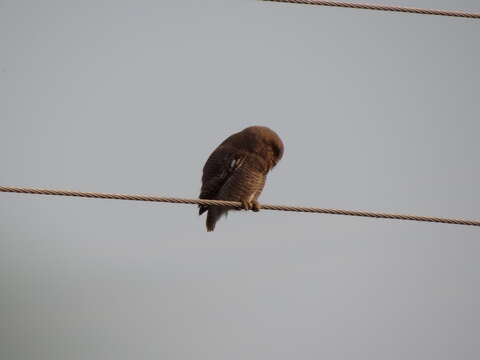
column 236, row 163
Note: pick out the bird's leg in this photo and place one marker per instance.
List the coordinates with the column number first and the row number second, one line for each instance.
column 250, row 205
column 246, row 205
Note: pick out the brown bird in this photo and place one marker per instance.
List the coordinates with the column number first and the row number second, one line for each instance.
column 237, row 170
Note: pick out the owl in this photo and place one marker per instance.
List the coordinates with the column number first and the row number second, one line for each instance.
column 237, row 170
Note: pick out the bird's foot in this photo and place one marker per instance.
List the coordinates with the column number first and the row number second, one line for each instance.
column 250, row 205
column 246, row 205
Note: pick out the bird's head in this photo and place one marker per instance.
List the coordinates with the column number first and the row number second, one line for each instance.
column 266, row 143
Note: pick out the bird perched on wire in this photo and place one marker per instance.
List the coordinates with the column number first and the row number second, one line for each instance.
column 237, row 170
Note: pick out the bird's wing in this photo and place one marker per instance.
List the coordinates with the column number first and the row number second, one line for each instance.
column 218, row 169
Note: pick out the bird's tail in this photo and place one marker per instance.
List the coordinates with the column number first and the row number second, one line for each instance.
column 214, row 213
column 202, row 209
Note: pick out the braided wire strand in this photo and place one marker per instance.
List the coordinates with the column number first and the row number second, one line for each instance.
column 236, row 205
column 403, row 9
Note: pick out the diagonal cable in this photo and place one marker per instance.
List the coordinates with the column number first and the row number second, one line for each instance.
column 403, row 9
column 237, row 205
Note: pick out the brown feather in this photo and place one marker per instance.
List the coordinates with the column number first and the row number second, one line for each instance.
column 237, row 169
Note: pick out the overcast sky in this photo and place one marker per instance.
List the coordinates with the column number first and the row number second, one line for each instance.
column 378, row 111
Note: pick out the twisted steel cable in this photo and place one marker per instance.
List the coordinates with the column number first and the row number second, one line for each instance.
column 237, row 205
column 403, row 9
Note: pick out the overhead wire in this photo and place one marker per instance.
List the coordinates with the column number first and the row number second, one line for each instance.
column 236, row 205
column 403, row 9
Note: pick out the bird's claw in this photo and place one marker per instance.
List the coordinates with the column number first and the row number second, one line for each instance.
column 255, row 206
column 245, row 204
column 250, row 205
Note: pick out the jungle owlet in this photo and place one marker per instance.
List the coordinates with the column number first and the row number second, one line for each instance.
column 237, row 169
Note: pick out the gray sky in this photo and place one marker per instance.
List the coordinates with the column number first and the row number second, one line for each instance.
column 377, row 111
